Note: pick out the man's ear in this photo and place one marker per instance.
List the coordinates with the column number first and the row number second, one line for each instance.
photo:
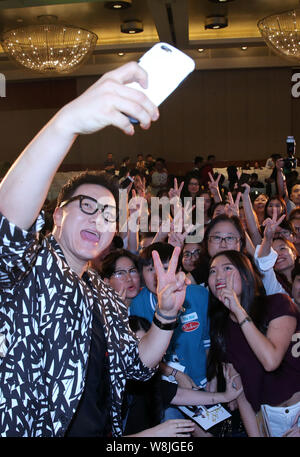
column 57, row 216
column 106, row 280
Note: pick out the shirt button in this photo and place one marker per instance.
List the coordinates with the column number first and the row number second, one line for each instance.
column 63, row 419
column 287, row 411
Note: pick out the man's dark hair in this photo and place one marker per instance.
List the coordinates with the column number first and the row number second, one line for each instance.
column 211, row 157
column 296, row 183
column 276, row 156
column 198, row 159
column 89, row 177
column 144, row 235
column 165, row 251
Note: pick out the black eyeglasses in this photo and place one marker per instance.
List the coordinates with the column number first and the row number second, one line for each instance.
column 122, row 274
column 189, row 254
column 229, row 240
column 89, row 205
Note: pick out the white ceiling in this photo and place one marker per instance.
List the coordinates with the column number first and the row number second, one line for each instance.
column 179, row 22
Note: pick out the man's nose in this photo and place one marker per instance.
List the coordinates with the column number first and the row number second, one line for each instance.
column 93, row 217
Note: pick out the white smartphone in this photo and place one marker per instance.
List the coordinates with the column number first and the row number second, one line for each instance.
column 166, row 67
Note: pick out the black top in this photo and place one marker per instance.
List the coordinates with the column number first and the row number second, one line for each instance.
column 92, row 417
column 200, row 273
column 145, row 403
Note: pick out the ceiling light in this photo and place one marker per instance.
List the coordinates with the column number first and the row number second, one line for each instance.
column 132, row 26
column 49, row 47
column 216, row 21
column 221, row 1
column 121, row 54
column 118, row 5
column 200, row 50
column 281, row 32
column 244, row 48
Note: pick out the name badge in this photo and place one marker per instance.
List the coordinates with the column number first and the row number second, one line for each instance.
column 189, row 317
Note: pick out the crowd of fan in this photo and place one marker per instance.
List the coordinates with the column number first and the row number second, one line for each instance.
column 257, row 237
column 223, row 309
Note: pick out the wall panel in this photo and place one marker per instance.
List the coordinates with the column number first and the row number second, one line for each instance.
column 235, row 114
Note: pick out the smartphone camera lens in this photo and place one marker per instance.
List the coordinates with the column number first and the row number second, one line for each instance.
column 165, row 48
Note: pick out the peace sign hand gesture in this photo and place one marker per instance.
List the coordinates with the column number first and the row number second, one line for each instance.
column 176, row 238
column 271, row 224
column 232, row 207
column 175, row 191
column 171, row 286
column 228, row 296
column 213, row 184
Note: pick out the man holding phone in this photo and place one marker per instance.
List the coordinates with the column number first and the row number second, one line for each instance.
column 57, row 318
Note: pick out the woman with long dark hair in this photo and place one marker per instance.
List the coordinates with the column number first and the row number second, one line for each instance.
column 254, row 332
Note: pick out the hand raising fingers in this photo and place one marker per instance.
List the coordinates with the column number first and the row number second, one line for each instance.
column 232, row 207
column 271, row 224
column 171, row 286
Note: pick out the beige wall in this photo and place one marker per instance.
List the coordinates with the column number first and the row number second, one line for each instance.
column 234, row 114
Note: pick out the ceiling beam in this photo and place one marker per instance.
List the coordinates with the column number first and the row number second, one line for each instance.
column 160, row 17
column 180, row 22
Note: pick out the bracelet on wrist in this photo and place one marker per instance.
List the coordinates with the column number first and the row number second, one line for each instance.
column 247, row 319
column 168, row 318
column 163, row 326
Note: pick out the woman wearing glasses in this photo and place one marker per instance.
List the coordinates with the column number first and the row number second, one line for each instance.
column 189, row 256
column 119, row 269
column 223, row 233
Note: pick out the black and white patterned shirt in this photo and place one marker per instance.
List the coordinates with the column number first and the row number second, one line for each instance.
column 45, row 334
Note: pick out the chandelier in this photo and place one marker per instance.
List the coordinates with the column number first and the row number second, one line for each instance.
column 281, row 32
column 49, row 47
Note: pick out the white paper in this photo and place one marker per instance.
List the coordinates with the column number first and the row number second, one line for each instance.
column 206, row 417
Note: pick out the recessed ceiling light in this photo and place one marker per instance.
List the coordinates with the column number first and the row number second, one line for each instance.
column 221, row 1
column 121, row 54
column 216, row 21
column 132, row 26
column 118, row 5
column 200, row 50
column 244, row 48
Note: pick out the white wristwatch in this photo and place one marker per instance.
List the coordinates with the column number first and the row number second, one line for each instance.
column 172, row 375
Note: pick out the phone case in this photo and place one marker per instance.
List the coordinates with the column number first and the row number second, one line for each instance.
column 166, row 67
